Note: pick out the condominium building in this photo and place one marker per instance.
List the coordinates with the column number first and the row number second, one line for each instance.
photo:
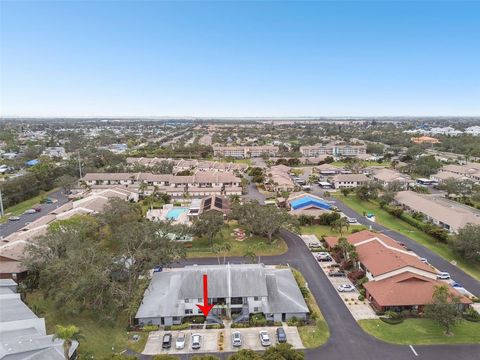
column 242, row 152
column 236, row 291
column 333, row 150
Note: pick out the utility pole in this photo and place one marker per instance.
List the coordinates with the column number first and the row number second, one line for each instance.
column 1, row 204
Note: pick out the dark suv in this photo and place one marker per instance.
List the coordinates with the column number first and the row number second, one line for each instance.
column 281, row 336
column 167, row 341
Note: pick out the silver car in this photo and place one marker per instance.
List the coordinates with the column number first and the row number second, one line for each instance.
column 264, row 338
column 196, row 341
column 236, row 339
column 180, row 342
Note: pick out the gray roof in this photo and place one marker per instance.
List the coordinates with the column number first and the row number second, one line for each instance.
column 28, row 344
column 7, row 282
column 13, row 309
column 166, row 289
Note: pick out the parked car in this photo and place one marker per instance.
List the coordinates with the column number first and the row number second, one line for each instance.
column 158, row 268
column 30, row 211
column 14, row 218
column 315, row 245
column 180, row 342
column 351, row 220
column 281, row 336
column 196, row 339
column 47, row 201
column 335, row 273
column 443, row 276
column 423, row 260
column 346, row 288
column 37, row 209
column 236, row 339
column 324, row 257
column 264, row 338
column 167, row 341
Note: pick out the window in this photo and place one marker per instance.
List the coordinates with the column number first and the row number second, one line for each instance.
column 256, row 298
column 188, row 311
column 187, row 301
column 256, row 309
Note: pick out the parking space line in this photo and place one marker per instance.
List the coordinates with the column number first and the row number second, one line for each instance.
column 413, row 350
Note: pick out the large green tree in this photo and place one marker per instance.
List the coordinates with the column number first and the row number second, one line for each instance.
column 209, row 225
column 444, row 308
column 467, row 242
column 101, row 263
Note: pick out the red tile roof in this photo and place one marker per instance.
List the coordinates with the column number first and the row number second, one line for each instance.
column 406, row 289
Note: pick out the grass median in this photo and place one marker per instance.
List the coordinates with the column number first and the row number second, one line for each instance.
column 422, row 332
column 392, row 222
column 316, row 335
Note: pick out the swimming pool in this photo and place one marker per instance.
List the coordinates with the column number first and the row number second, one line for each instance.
column 306, row 201
column 174, row 213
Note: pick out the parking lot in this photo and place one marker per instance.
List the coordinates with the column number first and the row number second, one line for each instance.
column 209, row 340
column 359, row 309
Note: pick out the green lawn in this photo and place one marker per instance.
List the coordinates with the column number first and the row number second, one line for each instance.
column 261, row 247
column 394, row 223
column 320, row 230
column 312, row 335
column 422, row 332
column 99, row 338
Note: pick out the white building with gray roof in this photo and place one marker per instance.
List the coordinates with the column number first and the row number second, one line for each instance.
column 236, row 290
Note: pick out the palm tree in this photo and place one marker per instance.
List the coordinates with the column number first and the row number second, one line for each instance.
column 339, row 224
column 68, row 334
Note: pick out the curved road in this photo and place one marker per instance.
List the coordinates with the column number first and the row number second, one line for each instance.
column 347, row 340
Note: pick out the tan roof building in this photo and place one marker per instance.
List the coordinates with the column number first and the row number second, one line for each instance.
column 387, row 176
column 447, row 214
column 349, row 180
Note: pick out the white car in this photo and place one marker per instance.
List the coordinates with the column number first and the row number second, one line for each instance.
column 345, row 288
column 196, row 340
column 236, row 339
column 180, row 342
column 443, row 276
column 351, row 220
column 423, row 260
column 264, row 338
column 30, row 211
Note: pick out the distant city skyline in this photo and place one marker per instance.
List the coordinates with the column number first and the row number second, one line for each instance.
column 239, row 59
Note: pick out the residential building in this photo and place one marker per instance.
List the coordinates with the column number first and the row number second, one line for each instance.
column 56, row 152
column 425, row 140
column 349, row 180
column 307, row 204
column 388, row 176
column 440, row 211
column 473, row 130
column 236, row 290
column 398, row 279
column 469, row 170
column 203, row 183
column 328, row 169
column 278, row 179
column 23, row 334
column 333, row 149
column 242, row 152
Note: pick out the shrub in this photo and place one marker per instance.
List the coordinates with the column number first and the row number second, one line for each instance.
column 305, row 292
column 391, row 321
column 180, row 327
column 471, row 315
column 214, row 326
column 361, row 297
column 294, row 321
column 240, row 325
column 258, row 320
column 196, row 319
column 150, row 328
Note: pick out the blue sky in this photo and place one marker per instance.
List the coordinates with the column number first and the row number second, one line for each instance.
column 239, row 58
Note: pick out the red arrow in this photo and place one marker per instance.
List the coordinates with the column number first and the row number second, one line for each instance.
column 206, row 307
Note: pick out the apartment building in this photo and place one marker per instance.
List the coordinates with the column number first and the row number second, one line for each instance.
column 188, row 164
column 243, row 152
column 398, row 279
column 448, row 214
column 333, row 149
column 236, row 290
column 203, row 183
column 349, row 180
column 389, row 176
column 469, row 170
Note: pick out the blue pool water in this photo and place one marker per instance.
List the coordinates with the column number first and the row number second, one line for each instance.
column 306, row 201
column 174, row 213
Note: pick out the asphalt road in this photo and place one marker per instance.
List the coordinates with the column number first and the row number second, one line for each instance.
column 347, row 340
column 10, row 227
